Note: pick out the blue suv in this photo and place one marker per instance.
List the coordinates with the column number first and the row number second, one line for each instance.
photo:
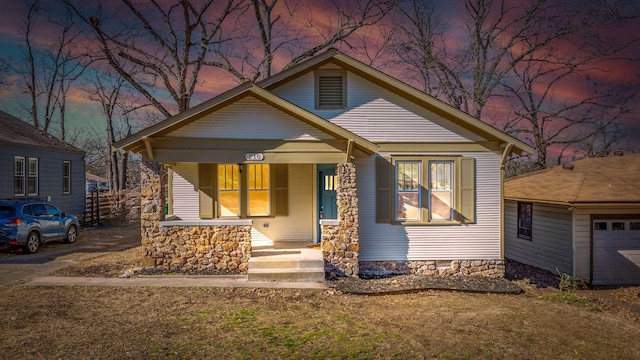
column 28, row 224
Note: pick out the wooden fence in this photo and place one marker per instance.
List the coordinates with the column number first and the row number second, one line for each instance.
column 103, row 207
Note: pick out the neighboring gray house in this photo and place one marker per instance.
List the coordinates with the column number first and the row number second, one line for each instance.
column 382, row 175
column 36, row 165
column 582, row 219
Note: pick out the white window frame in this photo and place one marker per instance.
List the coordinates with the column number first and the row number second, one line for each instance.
column 34, row 176
column 16, row 175
column 418, row 190
column 66, row 178
column 451, row 190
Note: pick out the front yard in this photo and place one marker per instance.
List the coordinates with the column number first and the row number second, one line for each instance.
column 202, row 323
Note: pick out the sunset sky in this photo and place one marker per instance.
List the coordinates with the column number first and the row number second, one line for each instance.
column 85, row 116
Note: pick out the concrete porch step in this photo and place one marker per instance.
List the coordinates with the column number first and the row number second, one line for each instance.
column 286, row 265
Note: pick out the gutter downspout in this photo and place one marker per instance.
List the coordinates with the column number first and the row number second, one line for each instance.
column 503, row 159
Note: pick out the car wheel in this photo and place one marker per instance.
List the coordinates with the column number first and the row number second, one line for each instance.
column 72, row 235
column 33, row 243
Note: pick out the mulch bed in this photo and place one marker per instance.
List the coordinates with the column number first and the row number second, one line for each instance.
column 415, row 283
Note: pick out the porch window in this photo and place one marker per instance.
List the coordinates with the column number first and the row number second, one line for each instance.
column 258, row 192
column 229, row 190
column 525, row 220
column 441, row 190
column 243, row 190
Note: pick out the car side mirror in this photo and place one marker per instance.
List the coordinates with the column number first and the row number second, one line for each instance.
column 63, row 215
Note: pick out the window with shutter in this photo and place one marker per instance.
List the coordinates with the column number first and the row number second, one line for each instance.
column 331, row 89
column 425, row 190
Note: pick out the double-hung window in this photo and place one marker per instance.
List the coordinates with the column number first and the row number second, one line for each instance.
column 229, row 190
column 66, row 177
column 19, row 176
column 32, row 182
column 415, row 190
column 525, row 220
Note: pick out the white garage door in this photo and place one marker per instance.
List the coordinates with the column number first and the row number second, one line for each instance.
column 616, row 252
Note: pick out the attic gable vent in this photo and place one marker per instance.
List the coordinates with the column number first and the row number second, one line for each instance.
column 331, row 89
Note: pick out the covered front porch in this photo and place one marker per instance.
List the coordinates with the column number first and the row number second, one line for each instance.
column 251, row 245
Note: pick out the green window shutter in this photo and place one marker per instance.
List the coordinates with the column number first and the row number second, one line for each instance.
column 205, row 191
column 281, row 189
column 384, row 190
column 467, row 190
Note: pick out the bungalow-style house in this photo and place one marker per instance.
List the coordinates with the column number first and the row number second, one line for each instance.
column 331, row 151
column 581, row 219
column 36, row 165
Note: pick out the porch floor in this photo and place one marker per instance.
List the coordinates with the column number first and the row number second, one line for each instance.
column 292, row 261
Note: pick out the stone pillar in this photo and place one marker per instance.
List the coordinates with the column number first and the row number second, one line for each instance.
column 153, row 180
column 340, row 243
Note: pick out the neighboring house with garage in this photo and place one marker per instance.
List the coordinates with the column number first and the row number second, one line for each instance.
column 331, row 151
column 582, row 219
column 36, row 165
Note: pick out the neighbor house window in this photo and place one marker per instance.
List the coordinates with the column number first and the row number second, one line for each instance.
column 32, row 182
column 244, row 190
column 331, row 89
column 18, row 176
column 66, row 177
column 421, row 190
column 525, row 220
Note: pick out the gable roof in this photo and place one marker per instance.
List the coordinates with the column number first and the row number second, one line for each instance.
column 261, row 91
column 16, row 131
column 396, row 86
column 613, row 179
column 247, row 89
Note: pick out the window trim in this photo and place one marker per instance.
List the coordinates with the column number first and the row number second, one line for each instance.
column 66, row 178
column 330, row 73
column 425, row 216
column 521, row 230
column 17, row 175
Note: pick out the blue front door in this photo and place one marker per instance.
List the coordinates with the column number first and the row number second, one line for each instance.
column 327, row 206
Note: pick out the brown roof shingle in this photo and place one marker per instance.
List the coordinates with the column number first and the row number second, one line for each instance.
column 16, row 131
column 613, row 179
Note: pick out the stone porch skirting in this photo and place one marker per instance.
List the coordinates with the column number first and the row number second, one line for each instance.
column 489, row 268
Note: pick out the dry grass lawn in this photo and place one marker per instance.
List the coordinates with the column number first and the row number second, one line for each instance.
column 199, row 323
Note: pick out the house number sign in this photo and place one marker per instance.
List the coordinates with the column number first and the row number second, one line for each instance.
column 254, row 156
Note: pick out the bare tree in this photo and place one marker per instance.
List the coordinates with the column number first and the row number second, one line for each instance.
column 48, row 70
column 164, row 45
column 292, row 31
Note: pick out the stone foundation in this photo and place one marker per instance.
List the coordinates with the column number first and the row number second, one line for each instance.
column 488, row 268
column 340, row 243
column 225, row 248
column 188, row 248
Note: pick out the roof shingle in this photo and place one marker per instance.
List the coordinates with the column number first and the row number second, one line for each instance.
column 16, row 131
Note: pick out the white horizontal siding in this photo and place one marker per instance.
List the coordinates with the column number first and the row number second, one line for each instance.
column 376, row 113
column 432, row 242
column 550, row 247
column 185, row 191
column 298, row 226
column 250, row 118
column 582, row 236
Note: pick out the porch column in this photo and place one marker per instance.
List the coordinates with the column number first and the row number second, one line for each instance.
column 153, row 180
column 340, row 243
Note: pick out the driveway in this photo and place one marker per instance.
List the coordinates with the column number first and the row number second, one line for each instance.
column 16, row 266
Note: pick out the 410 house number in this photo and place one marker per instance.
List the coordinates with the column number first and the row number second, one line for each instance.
column 254, row 156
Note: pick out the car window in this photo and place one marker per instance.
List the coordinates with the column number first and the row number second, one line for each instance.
column 6, row 212
column 52, row 210
column 39, row 210
column 27, row 210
